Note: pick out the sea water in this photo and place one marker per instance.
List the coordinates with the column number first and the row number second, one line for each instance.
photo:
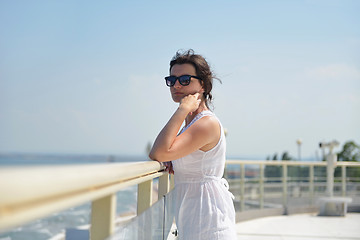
column 46, row 228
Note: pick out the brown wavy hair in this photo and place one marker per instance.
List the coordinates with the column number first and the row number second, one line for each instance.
column 202, row 68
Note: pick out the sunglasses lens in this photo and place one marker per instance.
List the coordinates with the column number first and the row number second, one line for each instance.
column 185, row 80
column 170, row 81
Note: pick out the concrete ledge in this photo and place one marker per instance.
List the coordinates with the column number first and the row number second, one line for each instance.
column 333, row 206
column 258, row 213
column 299, row 210
column 269, row 212
column 353, row 208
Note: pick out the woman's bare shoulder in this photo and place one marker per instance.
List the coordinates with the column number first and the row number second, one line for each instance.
column 206, row 125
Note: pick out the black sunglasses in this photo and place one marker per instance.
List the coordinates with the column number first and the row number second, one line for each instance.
column 184, row 80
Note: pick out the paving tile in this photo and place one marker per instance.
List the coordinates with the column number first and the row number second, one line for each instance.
column 301, row 226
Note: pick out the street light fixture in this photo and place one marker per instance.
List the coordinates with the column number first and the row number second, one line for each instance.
column 299, row 142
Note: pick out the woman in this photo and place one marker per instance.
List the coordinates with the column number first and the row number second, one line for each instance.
column 204, row 208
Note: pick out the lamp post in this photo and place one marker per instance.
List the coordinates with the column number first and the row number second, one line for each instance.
column 299, row 142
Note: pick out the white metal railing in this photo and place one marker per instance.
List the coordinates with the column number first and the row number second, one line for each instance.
column 29, row 193
column 240, row 184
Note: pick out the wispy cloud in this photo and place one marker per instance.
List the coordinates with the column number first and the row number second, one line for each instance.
column 335, row 72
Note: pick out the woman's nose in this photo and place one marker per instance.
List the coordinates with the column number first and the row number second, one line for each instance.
column 177, row 84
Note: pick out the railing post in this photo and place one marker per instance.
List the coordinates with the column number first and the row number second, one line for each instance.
column 284, row 182
column 311, row 183
column 242, row 188
column 343, row 180
column 144, row 196
column 164, row 185
column 103, row 217
column 261, row 186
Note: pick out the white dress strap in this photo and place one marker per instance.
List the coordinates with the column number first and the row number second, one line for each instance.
column 197, row 117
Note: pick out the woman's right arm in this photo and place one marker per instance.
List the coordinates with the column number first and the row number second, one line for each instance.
column 168, row 134
column 169, row 146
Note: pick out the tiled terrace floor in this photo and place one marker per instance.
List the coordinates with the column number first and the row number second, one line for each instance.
column 301, row 227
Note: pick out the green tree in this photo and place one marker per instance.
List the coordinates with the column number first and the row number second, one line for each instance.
column 286, row 157
column 350, row 152
column 272, row 171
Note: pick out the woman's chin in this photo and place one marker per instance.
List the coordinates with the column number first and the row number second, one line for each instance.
column 176, row 99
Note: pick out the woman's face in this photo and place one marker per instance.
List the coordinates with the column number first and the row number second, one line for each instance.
column 179, row 91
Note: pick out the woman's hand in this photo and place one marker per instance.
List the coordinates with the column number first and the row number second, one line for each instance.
column 190, row 102
column 169, row 167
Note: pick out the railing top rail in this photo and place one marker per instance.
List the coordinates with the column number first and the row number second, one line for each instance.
column 18, row 184
column 28, row 193
column 288, row 163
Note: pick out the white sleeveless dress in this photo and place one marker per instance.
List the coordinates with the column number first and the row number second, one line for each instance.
column 203, row 204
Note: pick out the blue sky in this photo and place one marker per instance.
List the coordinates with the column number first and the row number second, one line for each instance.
column 87, row 76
